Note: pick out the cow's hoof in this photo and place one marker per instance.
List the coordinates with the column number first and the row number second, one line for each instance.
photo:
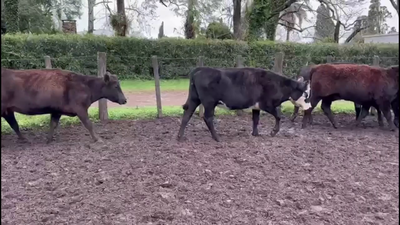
column 216, row 139
column 381, row 124
column 255, row 134
column 49, row 140
column 22, row 140
column 273, row 133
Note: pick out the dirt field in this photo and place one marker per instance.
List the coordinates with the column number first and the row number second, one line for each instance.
column 142, row 175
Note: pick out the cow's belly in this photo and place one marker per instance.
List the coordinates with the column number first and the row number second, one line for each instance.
column 255, row 106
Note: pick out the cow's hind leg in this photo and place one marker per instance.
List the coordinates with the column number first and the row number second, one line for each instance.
column 380, row 118
column 385, row 107
column 276, row 112
column 363, row 114
column 395, row 108
column 256, row 119
column 326, row 108
column 295, row 113
column 10, row 118
column 189, row 109
column 357, row 108
column 209, row 110
column 54, row 120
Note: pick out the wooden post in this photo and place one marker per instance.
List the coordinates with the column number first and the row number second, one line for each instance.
column 375, row 62
column 239, row 64
column 278, row 63
column 47, row 62
column 101, row 71
column 154, row 63
column 200, row 62
column 239, row 61
column 329, row 59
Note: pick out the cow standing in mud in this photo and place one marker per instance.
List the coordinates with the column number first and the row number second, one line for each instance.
column 304, row 75
column 55, row 92
column 239, row 88
column 362, row 84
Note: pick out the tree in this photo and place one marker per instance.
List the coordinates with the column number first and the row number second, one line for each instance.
column 377, row 16
column 91, row 19
column 324, row 26
column 218, row 30
column 161, row 30
column 237, row 17
column 359, row 29
column 292, row 16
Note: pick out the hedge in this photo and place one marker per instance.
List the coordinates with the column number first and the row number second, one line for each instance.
column 131, row 57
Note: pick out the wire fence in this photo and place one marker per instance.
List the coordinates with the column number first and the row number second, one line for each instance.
column 128, row 67
column 132, row 67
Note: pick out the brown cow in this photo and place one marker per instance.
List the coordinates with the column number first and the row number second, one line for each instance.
column 55, row 92
column 362, row 84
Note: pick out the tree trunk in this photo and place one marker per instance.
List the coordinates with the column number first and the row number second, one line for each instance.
column 337, row 32
column 287, row 35
column 122, row 18
column 237, row 10
column 189, row 22
column 91, row 4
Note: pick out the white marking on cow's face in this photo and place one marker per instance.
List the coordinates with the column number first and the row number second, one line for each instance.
column 301, row 102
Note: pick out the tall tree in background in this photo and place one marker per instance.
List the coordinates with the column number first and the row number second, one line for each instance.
column 292, row 16
column 11, row 15
column 161, row 30
column 189, row 26
column 237, row 17
column 324, row 26
column 377, row 16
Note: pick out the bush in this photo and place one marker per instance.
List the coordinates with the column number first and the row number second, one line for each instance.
column 130, row 57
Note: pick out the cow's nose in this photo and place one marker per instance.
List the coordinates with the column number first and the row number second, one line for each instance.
column 123, row 101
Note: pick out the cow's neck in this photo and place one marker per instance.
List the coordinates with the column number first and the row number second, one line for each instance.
column 96, row 85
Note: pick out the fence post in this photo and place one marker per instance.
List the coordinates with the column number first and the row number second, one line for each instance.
column 239, row 64
column 101, row 70
column 278, row 63
column 375, row 62
column 154, row 64
column 200, row 62
column 47, row 62
column 329, row 59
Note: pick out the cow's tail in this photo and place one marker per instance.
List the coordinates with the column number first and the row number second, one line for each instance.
column 192, row 90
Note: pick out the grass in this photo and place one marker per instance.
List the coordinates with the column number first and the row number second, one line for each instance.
column 148, row 85
column 42, row 121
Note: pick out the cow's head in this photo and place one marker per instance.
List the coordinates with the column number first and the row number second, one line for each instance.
column 300, row 92
column 112, row 90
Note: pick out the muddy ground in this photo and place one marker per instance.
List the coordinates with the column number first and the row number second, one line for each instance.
column 142, row 175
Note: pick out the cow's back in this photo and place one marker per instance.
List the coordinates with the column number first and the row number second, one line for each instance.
column 350, row 80
column 25, row 90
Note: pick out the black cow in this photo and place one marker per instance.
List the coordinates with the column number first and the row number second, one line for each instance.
column 238, row 88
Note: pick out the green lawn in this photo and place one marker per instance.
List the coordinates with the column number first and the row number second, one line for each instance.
column 28, row 122
column 148, row 85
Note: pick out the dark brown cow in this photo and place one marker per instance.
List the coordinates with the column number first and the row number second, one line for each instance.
column 362, row 84
column 55, row 92
column 304, row 75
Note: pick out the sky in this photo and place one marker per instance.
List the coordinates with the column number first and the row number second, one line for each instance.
column 173, row 22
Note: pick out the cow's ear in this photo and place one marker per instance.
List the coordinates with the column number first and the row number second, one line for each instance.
column 106, row 78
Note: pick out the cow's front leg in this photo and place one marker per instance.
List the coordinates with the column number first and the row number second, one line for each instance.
column 84, row 117
column 256, row 119
column 276, row 112
column 295, row 113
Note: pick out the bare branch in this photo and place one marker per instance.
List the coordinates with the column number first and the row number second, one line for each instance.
column 296, row 29
column 287, row 4
column 355, row 32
